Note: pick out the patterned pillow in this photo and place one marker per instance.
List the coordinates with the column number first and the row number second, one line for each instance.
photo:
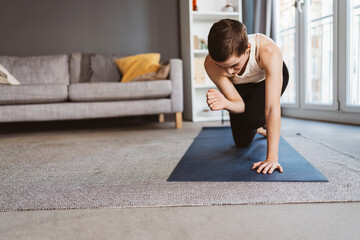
column 161, row 73
column 104, row 69
column 6, row 77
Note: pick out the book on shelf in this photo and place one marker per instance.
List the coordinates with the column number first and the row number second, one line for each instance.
column 199, row 71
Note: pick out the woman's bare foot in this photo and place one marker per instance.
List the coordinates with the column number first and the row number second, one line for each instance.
column 261, row 131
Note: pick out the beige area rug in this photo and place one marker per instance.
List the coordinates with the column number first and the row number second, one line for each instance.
column 130, row 169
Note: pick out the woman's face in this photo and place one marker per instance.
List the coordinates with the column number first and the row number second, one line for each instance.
column 234, row 64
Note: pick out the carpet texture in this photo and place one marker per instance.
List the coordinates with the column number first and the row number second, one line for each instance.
column 116, row 169
column 213, row 156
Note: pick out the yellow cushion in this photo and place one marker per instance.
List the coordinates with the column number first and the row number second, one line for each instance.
column 134, row 66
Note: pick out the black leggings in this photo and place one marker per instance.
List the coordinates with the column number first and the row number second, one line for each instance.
column 244, row 125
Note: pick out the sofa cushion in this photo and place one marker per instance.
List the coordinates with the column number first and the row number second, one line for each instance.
column 85, row 67
column 75, row 67
column 161, row 73
column 119, row 91
column 104, row 69
column 133, row 66
column 37, row 93
column 38, row 69
column 89, row 67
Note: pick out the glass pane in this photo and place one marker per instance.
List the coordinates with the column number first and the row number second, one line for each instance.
column 319, row 83
column 353, row 85
column 286, row 42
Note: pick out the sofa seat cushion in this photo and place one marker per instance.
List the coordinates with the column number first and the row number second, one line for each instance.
column 119, row 91
column 37, row 93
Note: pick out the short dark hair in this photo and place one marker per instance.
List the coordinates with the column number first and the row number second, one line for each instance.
column 227, row 37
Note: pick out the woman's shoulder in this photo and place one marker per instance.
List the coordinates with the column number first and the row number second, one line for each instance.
column 211, row 69
column 268, row 52
column 214, row 72
column 266, row 45
column 265, row 41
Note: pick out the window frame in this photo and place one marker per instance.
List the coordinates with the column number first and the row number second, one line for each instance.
column 304, row 60
column 344, row 55
column 338, row 111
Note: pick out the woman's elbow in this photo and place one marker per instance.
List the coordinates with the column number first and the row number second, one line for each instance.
column 275, row 110
column 241, row 108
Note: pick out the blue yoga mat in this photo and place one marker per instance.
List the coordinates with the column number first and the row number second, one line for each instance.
column 213, row 156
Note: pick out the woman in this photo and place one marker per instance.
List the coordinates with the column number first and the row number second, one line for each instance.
column 250, row 74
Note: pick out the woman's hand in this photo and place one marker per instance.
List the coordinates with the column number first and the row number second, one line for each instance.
column 267, row 166
column 216, row 100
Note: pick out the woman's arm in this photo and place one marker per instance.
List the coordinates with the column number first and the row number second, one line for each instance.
column 271, row 62
column 227, row 98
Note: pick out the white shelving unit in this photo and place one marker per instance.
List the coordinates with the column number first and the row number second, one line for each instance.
column 196, row 82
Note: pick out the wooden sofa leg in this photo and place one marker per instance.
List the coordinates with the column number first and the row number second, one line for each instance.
column 178, row 120
column 161, row 118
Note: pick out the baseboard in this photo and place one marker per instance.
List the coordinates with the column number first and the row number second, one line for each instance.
column 323, row 115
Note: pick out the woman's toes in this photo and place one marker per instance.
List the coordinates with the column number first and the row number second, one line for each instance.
column 261, row 131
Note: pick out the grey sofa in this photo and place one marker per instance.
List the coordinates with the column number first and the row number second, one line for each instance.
column 84, row 86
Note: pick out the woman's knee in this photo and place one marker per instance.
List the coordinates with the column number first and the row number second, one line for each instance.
column 244, row 140
column 242, row 144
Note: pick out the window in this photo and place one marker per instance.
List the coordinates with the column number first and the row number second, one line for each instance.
column 287, row 42
column 319, row 82
column 353, row 83
column 320, row 43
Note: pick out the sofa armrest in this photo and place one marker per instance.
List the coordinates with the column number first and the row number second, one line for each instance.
column 176, row 77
